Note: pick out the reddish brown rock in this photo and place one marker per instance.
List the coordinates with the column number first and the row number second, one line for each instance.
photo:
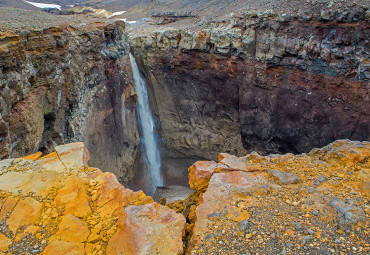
column 200, row 173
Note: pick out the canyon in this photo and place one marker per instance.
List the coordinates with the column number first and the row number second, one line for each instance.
column 260, row 82
column 248, row 95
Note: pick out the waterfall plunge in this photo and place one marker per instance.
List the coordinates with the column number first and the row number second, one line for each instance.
column 146, row 122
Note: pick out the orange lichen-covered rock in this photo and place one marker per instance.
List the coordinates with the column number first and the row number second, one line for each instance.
column 4, row 242
column 200, row 173
column 218, row 202
column 72, row 229
column 34, row 156
column 73, row 198
column 295, row 204
column 61, row 247
column 26, row 212
column 65, row 207
column 148, row 229
column 111, row 196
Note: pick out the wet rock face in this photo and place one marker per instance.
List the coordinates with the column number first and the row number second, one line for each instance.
column 276, row 86
column 65, row 84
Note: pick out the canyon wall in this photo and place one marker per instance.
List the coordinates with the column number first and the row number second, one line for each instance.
column 65, row 84
column 254, row 81
column 263, row 82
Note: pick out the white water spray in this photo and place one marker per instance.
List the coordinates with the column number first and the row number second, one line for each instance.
column 146, row 122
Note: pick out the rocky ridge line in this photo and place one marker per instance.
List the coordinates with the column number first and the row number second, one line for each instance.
column 323, row 44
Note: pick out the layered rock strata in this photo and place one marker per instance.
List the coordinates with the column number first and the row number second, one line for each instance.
column 69, row 83
column 259, row 81
column 56, row 204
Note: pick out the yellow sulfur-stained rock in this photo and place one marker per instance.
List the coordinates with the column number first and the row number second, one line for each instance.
column 4, row 242
column 26, row 212
column 71, row 229
column 73, row 198
column 65, row 248
column 34, row 156
column 200, row 173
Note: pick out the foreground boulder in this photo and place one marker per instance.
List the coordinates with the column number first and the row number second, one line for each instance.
column 56, row 204
column 315, row 203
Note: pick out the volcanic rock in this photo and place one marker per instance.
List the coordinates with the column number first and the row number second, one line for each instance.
column 59, row 205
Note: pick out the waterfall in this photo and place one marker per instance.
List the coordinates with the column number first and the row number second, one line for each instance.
column 152, row 155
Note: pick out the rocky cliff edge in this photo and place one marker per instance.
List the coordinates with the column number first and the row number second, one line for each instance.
column 314, row 203
column 57, row 205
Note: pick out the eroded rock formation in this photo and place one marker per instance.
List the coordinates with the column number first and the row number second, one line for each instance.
column 258, row 81
column 69, row 83
column 264, row 81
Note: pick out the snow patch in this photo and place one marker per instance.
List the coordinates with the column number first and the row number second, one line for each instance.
column 129, row 22
column 43, row 6
column 116, row 14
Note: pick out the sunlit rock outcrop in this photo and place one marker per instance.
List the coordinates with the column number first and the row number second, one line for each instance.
column 263, row 211
column 56, row 204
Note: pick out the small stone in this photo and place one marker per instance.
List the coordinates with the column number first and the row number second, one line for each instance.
column 319, row 180
column 311, row 232
column 95, row 197
column 285, row 177
column 307, row 240
column 298, row 226
column 316, row 212
column 248, row 236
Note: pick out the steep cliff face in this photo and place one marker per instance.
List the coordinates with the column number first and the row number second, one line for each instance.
column 276, row 83
column 68, row 83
